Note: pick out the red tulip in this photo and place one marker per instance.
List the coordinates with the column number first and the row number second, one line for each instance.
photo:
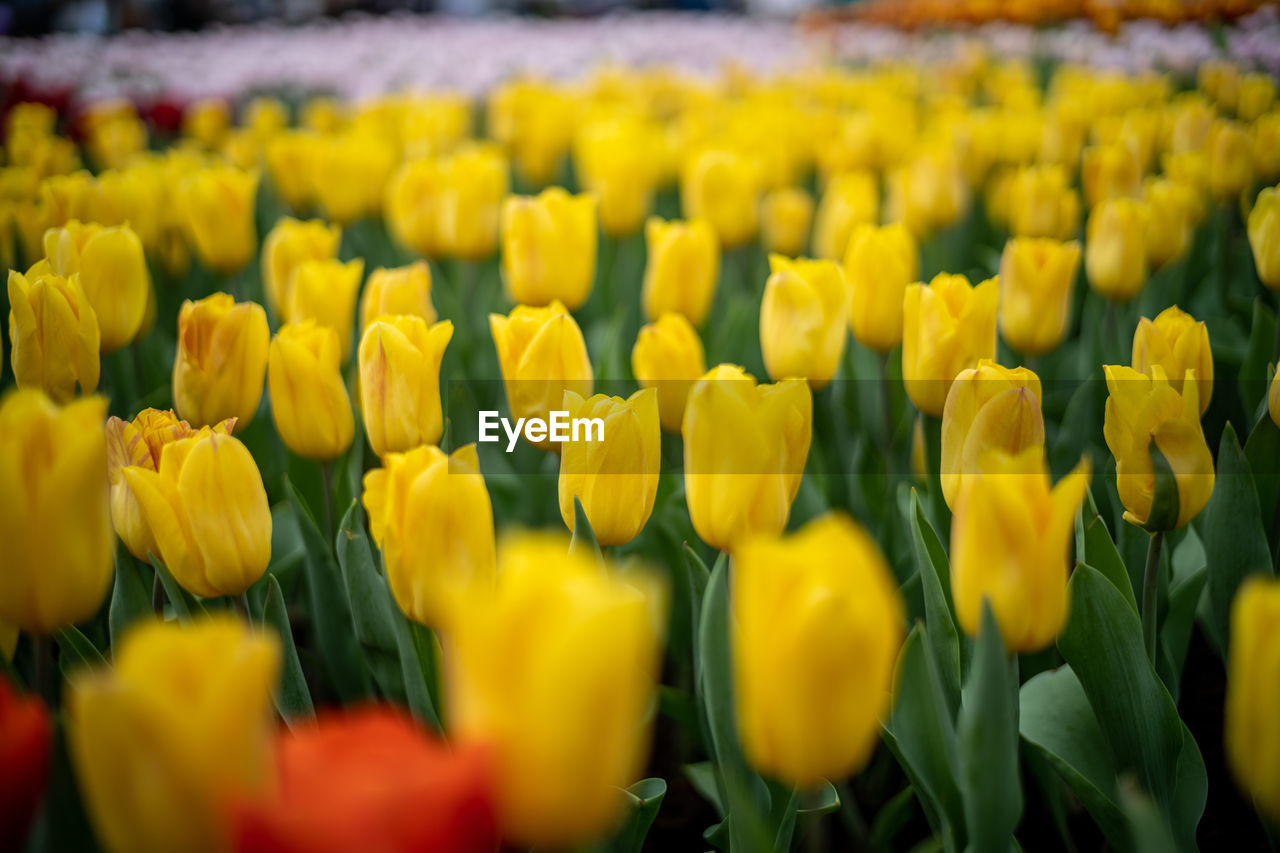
column 24, row 763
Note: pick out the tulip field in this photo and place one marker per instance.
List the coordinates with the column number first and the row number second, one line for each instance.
column 644, row 433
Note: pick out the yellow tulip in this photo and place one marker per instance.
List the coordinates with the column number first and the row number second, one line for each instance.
column 412, row 197
column 113, row 274
column 399, row 290
column 1265, row 134
column 265, row 116
column 216, row 205
column 928, row 192
column 1169, row 226
column 542, row 354
column 878, row 265
column 722, row 187
column 1273, row 399
column 535, row 122
column 745, row 447
column 785, row 217
column 400, row 359
column 948, row 326
column 287, row 245
column 207, row 508
column 1037, row 276
column 1042, row 203
column 989, row 407
column 1177, row 343
column 618, row 161
column 817, row 623
column 683, row 263
column 221, row 361
column 1257, row 94
column 1011, row 539
column 348, row 174
column 560, row 755
column 309, row 402
column 53, row 333
column 1264, row 236
column 1115, row 248
column 1253, row 671
column 668, row 356
column 614, row 472
column 1145, row 412
column 325, row 291
column 288, row 159
column 1230, row 154
column 474, row 183
column 803, row 319
column 54, row 513
column 549, row 248
column 178, row 728
column 430, row 514
column 139, row 443
column 849, row 200
column 1110, row 171
column 207, row 122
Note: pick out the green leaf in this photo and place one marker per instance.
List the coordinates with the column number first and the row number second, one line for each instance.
column 935, row 580
column 702, row 776
column 1055, row 719
column 1253, row 370
column 293, row 700
column 584, row 538
column 417, row 695
column 333, row 625
column 77, row 650
column 185, row 605
column 987, row 735
column 742, row 791
column 892, row 818
column 372, row 610
column 1262, row 450
column 1137, row 716
column 1165, row 505
column 825, row 800
column 1095, row 546
column 644, row 798
column 1148, row 828
column 129, row 599
column 1234, row 539
column 923, row 736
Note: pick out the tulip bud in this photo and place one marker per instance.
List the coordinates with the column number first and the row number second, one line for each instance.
column 613, row 473
column 286, row 247
column 207, row 122
column 948, row 326
column 473, row 185
column 1230, row 153
column 400, row 290
column 1144, row 417
column 216, row 205
column 411, row 199
column 803, row 319
column 849, row 200
column 1177, row 343
column 1256, row 96
column 26, row 738
column 1023, row 571
column 723, row 187
column 681, row 270
column 325, row 291
column 549, row 248
column 745, row 447
column 1110, row 172
column 1115, row 248
column 1253, row 671
column 113, row 274
column 140, row 442
column 1042, row 203
column 54, row 515
column 989, row 407
column 668, row 356
column 803, row 606
column 53, row 332
column 400, row 359
column 1265, row 135
column 542, row 354
column 179, row 726
column 207, row 508
column 288, row 159
column 560, row 755
column 309, row 402
column 1169, row 226
column 618, row 161
column 349, row 173
column 1264, row 236
column 221, row 361
column 430, row 515
column 931, row 191
column 334, row 792
column 1036, row 280
column 785, row 217
column 878, row 265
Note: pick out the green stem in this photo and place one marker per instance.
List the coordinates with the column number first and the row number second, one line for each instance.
column 241, row 603
column 1150, row 586
column 326, row 480
column 42, row 647
column 157, row 594
column 886, row 400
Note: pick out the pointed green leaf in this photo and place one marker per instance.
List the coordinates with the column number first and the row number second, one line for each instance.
column 77, row 650
column 584, row 538
column 372, row 610
column 644, row 798
column 185, row 605
column 129, row 599
column 293, row 699
column 1253, row 370
column 1262, row 450
column 1095, row 546
column 935, row 581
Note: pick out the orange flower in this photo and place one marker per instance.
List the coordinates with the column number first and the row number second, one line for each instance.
column 24, row 762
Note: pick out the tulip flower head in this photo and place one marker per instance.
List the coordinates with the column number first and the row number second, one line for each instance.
column 542, row 354
column 221, row 360
column 53, row 332
column 1177, row 343
column 948, row 326
column 549, row 247
column 1264, row 236
column 803, row 319
column 1037, row 277
column 682, row 266
column 400, row 359
column 1253, row 671
column 879, row 263
column 286, row 246
column 401, row 290
column 113, row 273
column 309, row 402
column 785, row 217
column 668, row 356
